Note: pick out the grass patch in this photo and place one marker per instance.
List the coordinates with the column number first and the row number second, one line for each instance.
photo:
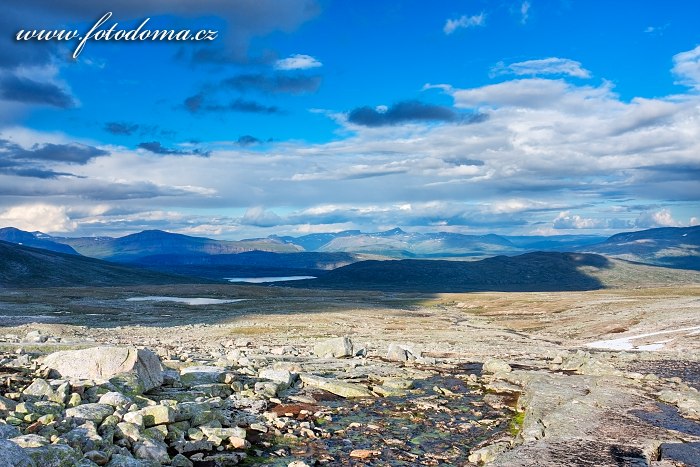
column 516, row 423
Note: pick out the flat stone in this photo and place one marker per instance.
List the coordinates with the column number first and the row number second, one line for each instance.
column 223, row 433
column 284, row 377
column 157, row 415
column 93, row 412
column 30, row 441
column 347, row 390
column 152, row 450
column 194, row 375
column 140, row 367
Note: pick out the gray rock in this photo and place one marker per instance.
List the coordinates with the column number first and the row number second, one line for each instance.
column 92, row 412
column 403, row 352
column 120, row 460
column 54, row 455
column 115, row 399
column 152, row 450
column 181, row 461
column 30, row 441
column 495, row 365
column 98, row 457
column 223, row 433
column 39, row 388
column 194, row 375
column 347, row 390
column 8, row 431
column 140, row 367
column 85, row 437
column 14, row 456
column 334, row 348
column 35, row 337
column 284, row 377
column 157, row 415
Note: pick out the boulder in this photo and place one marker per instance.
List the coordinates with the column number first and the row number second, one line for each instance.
column 495, row 365
column 338, row 347
column 8, row 431
column 14, row 456
column 284, row 377
column 140, row 367
column 39, row 388
column 54, row 455
column 92, row 412
column 195, row 375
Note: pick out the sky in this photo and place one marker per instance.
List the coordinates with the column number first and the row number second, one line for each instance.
column 291, row 117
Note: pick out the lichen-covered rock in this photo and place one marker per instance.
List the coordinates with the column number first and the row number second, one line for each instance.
column 115, row 399
column 152, row 450
column 93, row 412
column 54, row 455
column 337, row 347
column 29, row 441
column 39, row 388
column 195, row 375
column 14, row 456
column 157, row 415
column 8, row 431
column 141, row 368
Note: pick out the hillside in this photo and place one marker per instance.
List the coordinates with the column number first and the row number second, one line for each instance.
column 248, row 264
column 158, row 242
column 530, row 272
column 34, row 239
column 677, row 247
column 22, row 266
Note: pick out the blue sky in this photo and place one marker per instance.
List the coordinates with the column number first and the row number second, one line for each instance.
column 514, row 117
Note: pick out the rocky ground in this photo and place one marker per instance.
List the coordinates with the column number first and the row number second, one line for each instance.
column 296, row 378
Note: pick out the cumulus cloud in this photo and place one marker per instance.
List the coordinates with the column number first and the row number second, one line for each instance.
column 660, row 218
column 464, row 22
column 545, row 66
column 297, row 62
column 686, row 67
column 38, row 216
column 28, row 91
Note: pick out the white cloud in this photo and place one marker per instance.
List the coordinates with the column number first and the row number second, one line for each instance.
column 545, row 66
column 686, row 66
column 464, row 22
column 660, row 218
column 297, row 62
column 44, row 217
column 565, row 220
column 524, row 11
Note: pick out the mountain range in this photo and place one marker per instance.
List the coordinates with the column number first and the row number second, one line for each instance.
column 284, row 255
